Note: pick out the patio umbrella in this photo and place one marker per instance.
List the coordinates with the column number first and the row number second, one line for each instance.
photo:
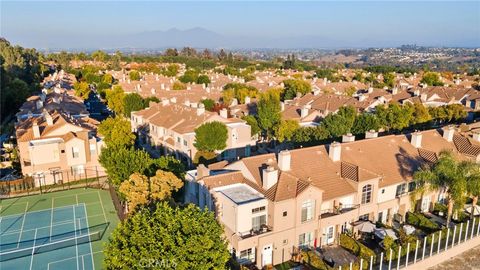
column 409, row 229
column 476, row 209
column 366, row 227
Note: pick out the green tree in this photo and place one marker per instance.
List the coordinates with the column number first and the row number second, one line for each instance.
column 269, row 111
column 365, row 122
column 203, row 79
column 286, row 129
column 142, row 190
column 178, row 86
column 211, row 136
column 116, row 132
column 447, row 174
column 389, row 79
column 82, row 89
column 115, row 99
column 132, row 102
column 472, row 173
column 176, row 237
column 190, row 76
column 99, row 55
column 171, row 70
column 253, row 123
column 209, row 104
column 431, row 79
column 134, row 75
column 420, row 114
column 120, row 162
column 292, row 87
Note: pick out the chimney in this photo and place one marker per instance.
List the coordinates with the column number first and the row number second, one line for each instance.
column 269, row 177
column 448, row 133
column 371, row 134
column 423, row 97
column 224, row 113
column 173, row 100
column 48, row 118
column 284, row 159
column 36, row 130
column 316, row 92
column 165, row 102
column 476, row 136
column 247, row 100
column 282, row 106
column 202, row 171
column 394, row 90
column 348, row 138
column 304, row 112
column 187, row 103
column 201, row 109
column 361, row 98
column 335, row 151
column 416, row 92
column 416, row 139
column 162, row 86
column 370, row 90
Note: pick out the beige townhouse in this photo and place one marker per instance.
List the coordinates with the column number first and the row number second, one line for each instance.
column 272, row 204
column 170, row 127
column 55, row 147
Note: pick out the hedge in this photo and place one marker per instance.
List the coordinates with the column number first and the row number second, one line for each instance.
column 356, row 248
column 314, row 261
column 421, row 222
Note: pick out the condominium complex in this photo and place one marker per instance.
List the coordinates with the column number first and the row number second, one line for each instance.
column 170, row 128
column 271, row 204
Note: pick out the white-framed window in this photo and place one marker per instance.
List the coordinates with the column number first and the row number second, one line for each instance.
column 367, row 194
column 247, row 254
column 258, row 209
column 257, row 222
column 305, row 239
column 75, row 152
column 401, row 189
column 308, row 208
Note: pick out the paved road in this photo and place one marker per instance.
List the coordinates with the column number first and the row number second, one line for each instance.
column 468, row 260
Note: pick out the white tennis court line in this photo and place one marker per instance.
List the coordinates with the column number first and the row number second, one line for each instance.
column 33, row 250
column 103, row 209
column 75, row 230
column 71, row 258
column 70, row 195
column 51, row 219
column 89, row 238
column 23, row 223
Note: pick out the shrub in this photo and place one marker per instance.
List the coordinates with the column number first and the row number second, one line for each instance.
column 178, row 86
column 204, row 157
column 421, row 222
column 313, row 260
column 356, row 248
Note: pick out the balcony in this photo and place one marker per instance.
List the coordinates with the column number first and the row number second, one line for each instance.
column 263, row 229
column 338, row 211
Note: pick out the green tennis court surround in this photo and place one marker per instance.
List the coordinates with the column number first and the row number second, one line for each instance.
column 61, row 230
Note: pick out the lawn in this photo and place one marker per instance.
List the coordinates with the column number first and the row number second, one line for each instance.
column 99, row 208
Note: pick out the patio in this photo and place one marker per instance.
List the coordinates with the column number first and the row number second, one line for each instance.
column 336, row 256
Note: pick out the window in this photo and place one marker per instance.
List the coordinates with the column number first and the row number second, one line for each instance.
column 307, row 210
column 411, row 186
column 178, row 139
column 258, row 209
column 93, row 149
column 185, row 142
column 305, row 239
column 366, row 194
column 383, row 190
column 78, row 170
column 363, row 217
column 257, row 222
column 285, row 241
column 62, row 151
column 75, row 152
column 284, row 213
column 401, row 189
column 247, row 254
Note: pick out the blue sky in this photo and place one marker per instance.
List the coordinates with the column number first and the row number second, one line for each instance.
column 425, row 23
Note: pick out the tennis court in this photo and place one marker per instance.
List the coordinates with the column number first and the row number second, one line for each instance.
column 60, row 230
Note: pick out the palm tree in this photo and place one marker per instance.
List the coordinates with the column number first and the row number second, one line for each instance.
column 473, row 183
column 446, row 174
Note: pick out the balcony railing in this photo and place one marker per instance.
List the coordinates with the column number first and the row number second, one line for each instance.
column 254, row 232
column 339, row 210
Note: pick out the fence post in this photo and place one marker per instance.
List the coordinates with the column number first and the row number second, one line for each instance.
column 460, row 233
column 381, row 260
column 68, row 179
column 439, row 240
column 399, row 256
column 473, row 228
column 446, row 242
column 340, row 267
column 371, row 262
column 416, row 252
column 390, row 260
column 431, row 245
column 424, row 247
column 361, row 263
column 86, row 178
column 408, row 251
column 478, row 226
column 351, row 265
column 96, row 173
column 466, row 231
column 454, row 232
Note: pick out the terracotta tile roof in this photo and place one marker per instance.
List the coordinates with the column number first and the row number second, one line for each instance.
column 464, row 146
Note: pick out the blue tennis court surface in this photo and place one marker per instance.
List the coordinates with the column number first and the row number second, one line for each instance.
column 56, row 238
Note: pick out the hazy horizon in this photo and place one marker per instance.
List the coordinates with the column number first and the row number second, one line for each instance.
column 357, row 24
